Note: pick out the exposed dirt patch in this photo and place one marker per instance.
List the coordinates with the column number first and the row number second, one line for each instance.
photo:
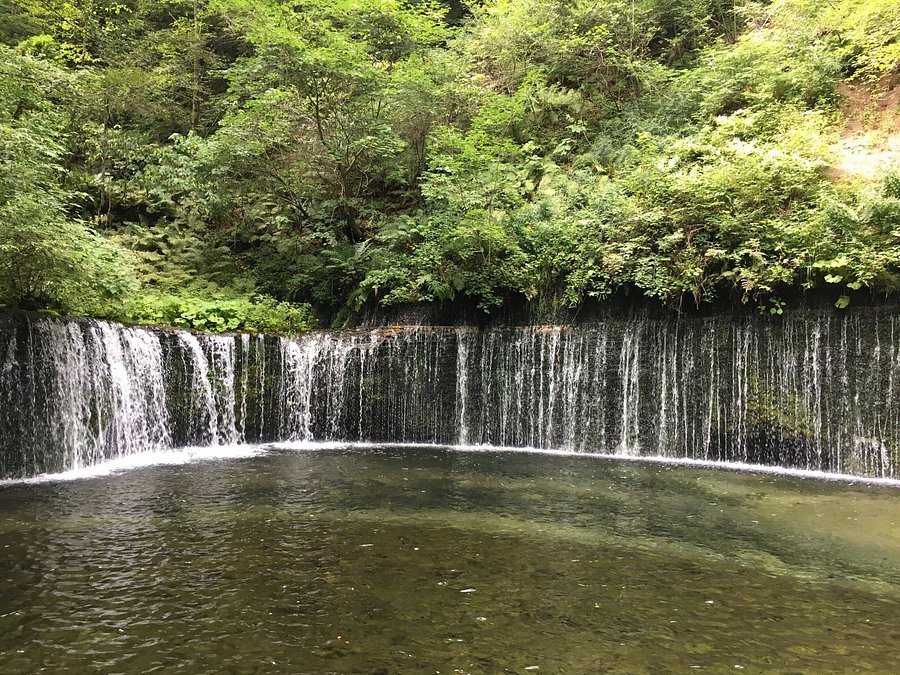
column 870, row 140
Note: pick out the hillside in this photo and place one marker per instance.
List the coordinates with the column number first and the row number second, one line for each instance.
column 253, row 164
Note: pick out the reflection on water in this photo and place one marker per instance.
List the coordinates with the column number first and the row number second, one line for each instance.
column 407, row 560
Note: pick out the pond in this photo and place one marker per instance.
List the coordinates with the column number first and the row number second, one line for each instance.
column 400, row 559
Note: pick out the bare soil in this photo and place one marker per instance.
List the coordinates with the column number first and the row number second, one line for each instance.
column 870, row 139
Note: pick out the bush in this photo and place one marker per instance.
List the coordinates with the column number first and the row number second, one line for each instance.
column 259, row 314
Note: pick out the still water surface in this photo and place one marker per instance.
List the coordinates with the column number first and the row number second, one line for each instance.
column 426, row 560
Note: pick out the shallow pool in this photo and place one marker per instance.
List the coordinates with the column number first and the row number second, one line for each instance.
column 425, row 560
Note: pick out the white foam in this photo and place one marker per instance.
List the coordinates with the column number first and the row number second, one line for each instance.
column 225, row 452
column 652, row 459
column 145, row 459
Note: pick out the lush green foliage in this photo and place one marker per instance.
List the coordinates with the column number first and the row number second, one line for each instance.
column 232, row 164
column 47, row 257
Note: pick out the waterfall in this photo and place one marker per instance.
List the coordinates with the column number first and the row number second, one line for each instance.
column 202, row 403
column 814, row 390
column 462, row 384
column 74, row 393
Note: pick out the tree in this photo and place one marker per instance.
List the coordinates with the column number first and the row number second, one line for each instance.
column 47, row 258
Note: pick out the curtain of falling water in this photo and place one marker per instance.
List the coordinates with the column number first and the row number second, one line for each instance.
column 814, row 391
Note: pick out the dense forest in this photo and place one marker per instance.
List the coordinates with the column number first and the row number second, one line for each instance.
column 261, row 165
